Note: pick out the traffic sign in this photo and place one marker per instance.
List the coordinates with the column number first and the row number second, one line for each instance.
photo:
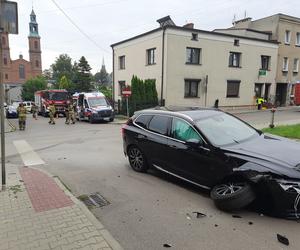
column 126, row 93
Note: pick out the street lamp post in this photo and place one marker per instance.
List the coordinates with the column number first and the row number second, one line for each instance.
column 8, row 24
column 3, row 172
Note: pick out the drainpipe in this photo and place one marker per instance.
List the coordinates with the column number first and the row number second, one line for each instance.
column 113, row 75
column 162, row 103
column 206, row 82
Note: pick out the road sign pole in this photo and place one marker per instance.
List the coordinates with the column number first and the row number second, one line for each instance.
column 127, row 106
column 3, row 172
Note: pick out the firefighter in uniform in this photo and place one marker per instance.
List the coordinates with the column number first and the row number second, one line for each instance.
column 52, row 111
column 22, row 116
column 70, row 113
column 34, row 111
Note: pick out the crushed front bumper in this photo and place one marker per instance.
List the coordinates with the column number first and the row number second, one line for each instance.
column 284, row 198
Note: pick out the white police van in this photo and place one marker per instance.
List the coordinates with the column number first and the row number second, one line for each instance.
column 93, row 107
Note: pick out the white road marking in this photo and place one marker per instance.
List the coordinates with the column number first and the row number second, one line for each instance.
column 29, row 157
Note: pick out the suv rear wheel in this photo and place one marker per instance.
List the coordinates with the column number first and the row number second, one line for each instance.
column 137, row 159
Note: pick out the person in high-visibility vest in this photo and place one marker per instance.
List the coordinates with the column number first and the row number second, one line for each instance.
column 260, row 102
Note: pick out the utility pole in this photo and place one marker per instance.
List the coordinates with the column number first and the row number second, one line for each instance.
column 2, row 108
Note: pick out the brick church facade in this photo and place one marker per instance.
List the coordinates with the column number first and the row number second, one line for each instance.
column 17, row 72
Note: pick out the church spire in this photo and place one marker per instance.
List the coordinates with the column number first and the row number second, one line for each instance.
column 33, row 25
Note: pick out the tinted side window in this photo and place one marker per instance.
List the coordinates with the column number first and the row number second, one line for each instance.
column 143, row 120
column 159, row 124
column 183, row 131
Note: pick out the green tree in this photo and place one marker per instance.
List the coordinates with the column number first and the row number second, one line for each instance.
column 31, row 86
column 148, row 93
column 107, row 91
column 65, row 83
column 62, row 67
column 154, row 93
column 83, row 78
column 47, row 74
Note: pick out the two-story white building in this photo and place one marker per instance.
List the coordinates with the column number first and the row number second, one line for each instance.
column 195, row 67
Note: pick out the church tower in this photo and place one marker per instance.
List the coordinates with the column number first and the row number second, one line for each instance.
column 34, row 38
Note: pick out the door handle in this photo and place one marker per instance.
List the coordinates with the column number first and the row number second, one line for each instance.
column 142, row 137
column 173, row 146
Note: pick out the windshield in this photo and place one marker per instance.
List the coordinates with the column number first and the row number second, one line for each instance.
column 223, row 129
column 57, row 96
column 97, row 101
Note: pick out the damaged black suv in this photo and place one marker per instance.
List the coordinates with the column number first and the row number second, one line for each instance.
column 219, row 152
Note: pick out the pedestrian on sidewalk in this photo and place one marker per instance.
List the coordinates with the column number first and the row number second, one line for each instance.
column 34, row 110
column 22, row 116
column 52, row 111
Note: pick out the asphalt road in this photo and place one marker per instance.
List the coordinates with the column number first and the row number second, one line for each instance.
column 146, row 211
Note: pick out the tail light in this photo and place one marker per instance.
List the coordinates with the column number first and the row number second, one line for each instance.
column 125, row 126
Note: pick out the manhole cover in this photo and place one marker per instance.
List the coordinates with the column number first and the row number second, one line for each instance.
column 94, row 200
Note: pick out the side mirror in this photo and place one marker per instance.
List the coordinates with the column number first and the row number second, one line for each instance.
column 194, row 143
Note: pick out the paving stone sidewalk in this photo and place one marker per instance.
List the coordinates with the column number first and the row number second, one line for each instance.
column 38, row 212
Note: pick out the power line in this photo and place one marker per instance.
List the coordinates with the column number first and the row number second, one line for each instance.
column 79, row 29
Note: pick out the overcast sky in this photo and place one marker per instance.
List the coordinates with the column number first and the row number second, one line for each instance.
column 110, row 21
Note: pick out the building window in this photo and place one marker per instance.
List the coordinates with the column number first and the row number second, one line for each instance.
column 194, row 36
column 265, row 62
column 298, row 39
column 287, row 37
column 121, row 62
column 258, row 89
column 3, row 41
column 5, row 61
column 296, row 65
column 36, row 46
column 6, row 76
column 285, row 66
column 21, row 71
column 37, row 63
column 193, row 55
column 233, row 88
column 121, row 87
column 191, row 88
column 235, row 59
column 151, row 56
column 236, row 42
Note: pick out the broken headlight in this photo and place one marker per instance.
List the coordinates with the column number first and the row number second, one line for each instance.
column 289, row 186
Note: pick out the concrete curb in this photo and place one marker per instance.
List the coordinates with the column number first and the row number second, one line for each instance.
column 118, row 122
column 260, row 111
column 105, row 233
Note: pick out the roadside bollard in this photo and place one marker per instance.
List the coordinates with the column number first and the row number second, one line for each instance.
column 273, row 110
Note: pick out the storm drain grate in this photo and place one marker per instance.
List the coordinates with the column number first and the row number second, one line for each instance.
column 94, row 200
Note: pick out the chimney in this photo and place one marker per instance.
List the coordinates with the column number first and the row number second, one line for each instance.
column 188, row 26
column 165, row 21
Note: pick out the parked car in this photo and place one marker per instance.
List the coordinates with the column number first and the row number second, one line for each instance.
column 11, row 112
column 219, row 152
column 16, row 104
column 28, row 106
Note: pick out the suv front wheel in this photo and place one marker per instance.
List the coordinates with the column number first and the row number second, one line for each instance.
column 137, row 159
column 233, row 195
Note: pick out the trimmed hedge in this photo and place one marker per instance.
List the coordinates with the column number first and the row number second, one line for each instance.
column 143, row 95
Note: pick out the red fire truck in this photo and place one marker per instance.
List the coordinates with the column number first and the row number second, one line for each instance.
column 58, row 97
